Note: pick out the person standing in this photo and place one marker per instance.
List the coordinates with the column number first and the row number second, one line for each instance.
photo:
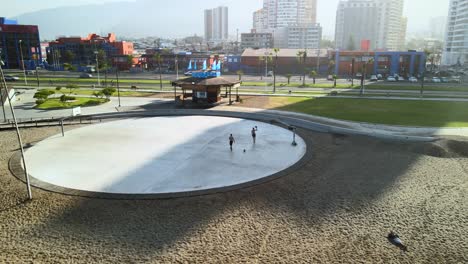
column 254, row 134
column 231, row 141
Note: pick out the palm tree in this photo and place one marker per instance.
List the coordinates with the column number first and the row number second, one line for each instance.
column 302, row 57
column 130, row 61
column 331, row 65
column 313, row 74
column 240, row 73
column 158, row 59
column 289, row 77
column 275, row 50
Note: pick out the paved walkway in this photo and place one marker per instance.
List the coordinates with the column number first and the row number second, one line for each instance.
column 24, row 110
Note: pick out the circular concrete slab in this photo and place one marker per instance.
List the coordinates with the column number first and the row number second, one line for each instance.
column 161, row 155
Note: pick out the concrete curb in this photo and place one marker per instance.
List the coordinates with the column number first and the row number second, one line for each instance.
column 15, row 166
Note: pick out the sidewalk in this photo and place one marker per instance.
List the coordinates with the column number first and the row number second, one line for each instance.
column 358, row 126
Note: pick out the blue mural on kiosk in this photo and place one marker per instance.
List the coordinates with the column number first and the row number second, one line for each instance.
column 212, row 72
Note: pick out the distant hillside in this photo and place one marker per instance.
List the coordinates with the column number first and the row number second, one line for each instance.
column 132, row 19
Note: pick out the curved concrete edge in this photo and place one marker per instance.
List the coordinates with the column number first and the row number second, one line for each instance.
column 15, row 166
column 265, row 116
column 378, row 128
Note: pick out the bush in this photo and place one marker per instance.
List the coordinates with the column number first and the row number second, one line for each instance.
column 93, row 102
column 43, row 94
column 40, row 101
column 108, row 92
column 65, row 98
column 98, row 94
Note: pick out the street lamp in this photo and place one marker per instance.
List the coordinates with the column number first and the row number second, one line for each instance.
column 20, row 142
column 22, row 62
column 293, row 129
column 118, row 86
column 97, row 66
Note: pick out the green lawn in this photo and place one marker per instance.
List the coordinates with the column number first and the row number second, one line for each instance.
column 56, row 104
column 448, row 87
column 94, row 80
column 392, row 112
column 308, row 85
column 122, row 93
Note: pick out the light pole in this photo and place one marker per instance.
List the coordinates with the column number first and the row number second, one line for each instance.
column 177, row 67
column 293, row 129
column 97, row 68
column 37, row 77
column 118, row 86
column 20, row 142
column 22, row 61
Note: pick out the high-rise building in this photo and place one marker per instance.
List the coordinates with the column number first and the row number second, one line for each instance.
column 379, row 21
column 292, row 22
column 298, row 37
column 216, row 24
column 437, row 27
column 259, row 21
column 456, row 40
column 282, row 13
column 19, row 44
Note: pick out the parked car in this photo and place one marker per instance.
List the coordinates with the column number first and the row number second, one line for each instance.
column 444, row 79
column 330, row 78
column 374, row 78
column 379, row 76
column 391, row 79
column 270, row 74
column 85, row 75
column 413, row 79
column 10, row 78
column 189, row 73
column 30, row 72
column 454, row 80
column 358, row 75
column 436, row 80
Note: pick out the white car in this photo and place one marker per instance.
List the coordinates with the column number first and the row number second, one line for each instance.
column 413, row 79
column 391, row 79
column 436, row 80
column 374, row 78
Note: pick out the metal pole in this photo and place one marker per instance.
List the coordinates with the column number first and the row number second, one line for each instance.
column 97, row 66
column 118, row 86
column 177, row 67
column 294, row 143
column 20, row 142
column 22, row 62
column 61, row 125
column 37, row 78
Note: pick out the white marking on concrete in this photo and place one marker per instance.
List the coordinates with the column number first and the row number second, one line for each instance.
column 159, row 155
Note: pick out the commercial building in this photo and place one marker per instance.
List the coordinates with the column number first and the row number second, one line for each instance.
column 256, row 40
column 19, row 43
column 386, row 63
column 456, row 40
column 379, row 21
column 217, row 24
column 82, row 51
column 253, row 61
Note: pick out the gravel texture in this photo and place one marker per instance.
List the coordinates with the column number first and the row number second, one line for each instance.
column 337, row 209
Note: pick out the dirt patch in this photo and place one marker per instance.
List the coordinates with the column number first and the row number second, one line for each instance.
column 255, row 102
column 337, row 209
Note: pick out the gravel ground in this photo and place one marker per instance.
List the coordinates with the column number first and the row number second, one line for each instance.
column 337, row 209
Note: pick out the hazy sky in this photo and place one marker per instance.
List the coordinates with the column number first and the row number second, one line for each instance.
column 418, row 11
